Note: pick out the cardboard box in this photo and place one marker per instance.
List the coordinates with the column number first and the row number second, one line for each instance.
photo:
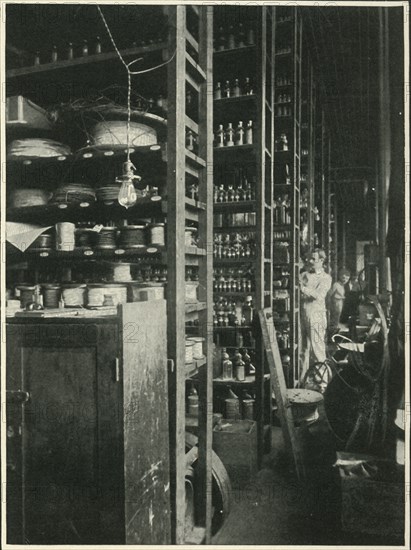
column 235, row 442
column 372, row 506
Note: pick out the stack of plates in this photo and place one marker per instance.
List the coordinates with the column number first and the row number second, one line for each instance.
column 74, row 193
column 108, row 193
column 35, row 148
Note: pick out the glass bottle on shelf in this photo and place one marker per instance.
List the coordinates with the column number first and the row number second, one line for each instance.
column 229, row 135
column 250, row 37
column 231, row 38
column 54, row 54
column 217, row 91
column 84, row 49
column 221, row 39
column 239, row 134
column 248, row 90
column 227, row 89
column 37, row 58
column 97, row 48
column 241, row 36
column 240, row 369
column 248, row 310
column 249, row 133
column 227, row 365
column 236, row 91
column 190, row 140
column 220, row 136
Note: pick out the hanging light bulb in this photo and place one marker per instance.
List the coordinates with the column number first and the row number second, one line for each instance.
column 127, row 196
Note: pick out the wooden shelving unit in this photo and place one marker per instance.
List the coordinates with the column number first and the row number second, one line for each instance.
column 287, row 185
column 243, row 179
column 307, row 206
column 175, row 170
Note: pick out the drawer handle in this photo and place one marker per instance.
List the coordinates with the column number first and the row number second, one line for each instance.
column 17, row 396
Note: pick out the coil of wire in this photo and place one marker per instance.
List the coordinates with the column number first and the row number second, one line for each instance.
column 22, row 198
column 106, row 238
column 74, row 193
column 133, row 236
column 108, row 193
column 97, row 292
column 73, row 295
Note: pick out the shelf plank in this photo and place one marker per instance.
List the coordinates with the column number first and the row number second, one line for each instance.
column 235, row 51
column 228, row 261
column 81, row 61
column 195, row 306
column 235, row 206
column 240, row 99
column 191, row 40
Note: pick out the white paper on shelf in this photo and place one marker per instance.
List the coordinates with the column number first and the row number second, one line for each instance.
column 22, row 235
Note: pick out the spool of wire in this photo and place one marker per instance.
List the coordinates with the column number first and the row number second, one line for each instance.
column 73, row 295
column 106, row 238
column 43, row 242
column 51, row 295
column 65, row 239
column 122, row 273
column 157, row 234
column 74, row 193
column 132, row 236
column 108, row 194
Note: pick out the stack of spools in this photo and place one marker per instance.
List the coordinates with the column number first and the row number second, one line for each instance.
column 74, row 193
column 132, row 236
column 34, row 148
column 23, row 198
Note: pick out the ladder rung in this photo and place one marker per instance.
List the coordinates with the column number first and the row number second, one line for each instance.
column 193, row 83
column 192, row 171
column 195, row 9
column 196, row 160
column 191, row 40
column 191, row 124
column 198, row 71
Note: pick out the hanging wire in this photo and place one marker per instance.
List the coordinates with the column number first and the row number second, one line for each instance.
column 129, row 73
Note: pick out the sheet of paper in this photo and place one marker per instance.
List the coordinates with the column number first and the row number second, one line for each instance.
column 22, row 235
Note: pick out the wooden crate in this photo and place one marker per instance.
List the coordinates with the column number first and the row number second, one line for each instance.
column 371, row 506
column 236, row 445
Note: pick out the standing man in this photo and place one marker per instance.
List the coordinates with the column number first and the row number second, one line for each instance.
column 314, row 286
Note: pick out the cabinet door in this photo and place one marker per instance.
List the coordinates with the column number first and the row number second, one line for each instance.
column 146, row 432
column 67, row 370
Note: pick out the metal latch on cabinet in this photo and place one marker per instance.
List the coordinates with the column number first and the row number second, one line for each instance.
column 17, row 396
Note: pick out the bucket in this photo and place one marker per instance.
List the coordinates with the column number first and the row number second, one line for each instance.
column 304, row 404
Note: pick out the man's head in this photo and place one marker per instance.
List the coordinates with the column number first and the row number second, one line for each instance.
column 316, row 259
column 344, row 275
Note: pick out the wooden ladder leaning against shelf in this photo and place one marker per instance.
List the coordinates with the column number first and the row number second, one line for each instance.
column 291, row 439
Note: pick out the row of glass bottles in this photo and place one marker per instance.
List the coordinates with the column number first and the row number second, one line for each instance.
column 281, row 143
column 151, row 274
column 231, row 38
column 282, row 50
column 229, row 136
column 241, row 192
column 236, row 245
column 237, row 219
column 281, row 235
column 233, row 90
column 230, row 280
column 238, row 366
column 283, row 98
column 233, row 313
column 283, row 111
column 281, row 210
column 283, row 81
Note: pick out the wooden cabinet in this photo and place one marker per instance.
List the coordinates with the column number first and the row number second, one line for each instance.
column 83, row 448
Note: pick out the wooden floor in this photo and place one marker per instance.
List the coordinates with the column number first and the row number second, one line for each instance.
column 274, row 509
